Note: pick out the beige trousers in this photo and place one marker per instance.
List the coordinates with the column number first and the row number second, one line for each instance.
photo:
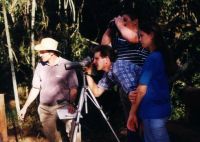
column 48, row 117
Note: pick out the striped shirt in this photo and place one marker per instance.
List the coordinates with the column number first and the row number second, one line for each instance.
column 130, row 52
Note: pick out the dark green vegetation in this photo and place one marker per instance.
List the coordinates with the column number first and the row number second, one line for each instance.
column 80, row 24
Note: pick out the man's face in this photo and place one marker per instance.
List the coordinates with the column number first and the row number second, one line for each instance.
column 45, row 55
column 99, row 62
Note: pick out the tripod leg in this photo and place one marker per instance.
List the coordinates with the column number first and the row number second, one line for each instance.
column 85, row 100
column 76, row 131
column 94, row 100
column 76, row 125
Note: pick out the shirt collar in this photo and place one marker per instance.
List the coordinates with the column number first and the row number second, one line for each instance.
column 57, row 62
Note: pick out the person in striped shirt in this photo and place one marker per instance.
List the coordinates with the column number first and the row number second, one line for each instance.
column 122, row 35
column 126, row 42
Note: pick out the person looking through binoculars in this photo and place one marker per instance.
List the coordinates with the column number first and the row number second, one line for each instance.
column 120, row 72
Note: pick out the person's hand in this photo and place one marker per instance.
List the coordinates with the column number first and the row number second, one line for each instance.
column 22, row 113
column 88, row 69
column 119, row 21
column 132, row 96
column 71, row 108
column 132, row 123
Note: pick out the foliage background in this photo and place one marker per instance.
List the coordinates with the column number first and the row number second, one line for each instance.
column 78, row 25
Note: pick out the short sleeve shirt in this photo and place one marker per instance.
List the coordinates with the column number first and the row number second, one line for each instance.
column 156, row 102
column 123, row 73
column 54, row 82
column 129, row 51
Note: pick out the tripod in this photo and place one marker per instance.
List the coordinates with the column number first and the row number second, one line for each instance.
column 86, row 92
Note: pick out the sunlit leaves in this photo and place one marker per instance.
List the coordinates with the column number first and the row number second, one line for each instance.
column 79, row 46
column 196, row 80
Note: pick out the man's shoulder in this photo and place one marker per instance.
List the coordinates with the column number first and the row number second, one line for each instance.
column 40, row 64
column 63, row 60
column 121, row 62
column 124, row 64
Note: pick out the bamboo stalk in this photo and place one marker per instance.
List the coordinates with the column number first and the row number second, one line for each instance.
column 11, row 58
column 32, row 34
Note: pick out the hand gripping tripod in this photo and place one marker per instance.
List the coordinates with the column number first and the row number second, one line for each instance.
column 86, row 92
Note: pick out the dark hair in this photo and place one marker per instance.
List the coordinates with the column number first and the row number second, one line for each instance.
column 152, row 27
column 131, row 13
column 128, row 7
column 105, row 51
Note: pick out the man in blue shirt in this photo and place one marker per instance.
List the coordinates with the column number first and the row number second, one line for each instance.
column 120, row 72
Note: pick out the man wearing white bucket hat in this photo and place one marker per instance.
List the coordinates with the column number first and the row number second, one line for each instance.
column 54, row 84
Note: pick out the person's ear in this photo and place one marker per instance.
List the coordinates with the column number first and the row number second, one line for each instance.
column 105, row 60
column 152, row 35
column 51, row 53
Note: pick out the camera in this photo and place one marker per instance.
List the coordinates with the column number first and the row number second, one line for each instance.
column 114, row 30
column 75, row 65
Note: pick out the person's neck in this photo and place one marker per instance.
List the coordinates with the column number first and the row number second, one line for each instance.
column 53, row 60
column 152, row 48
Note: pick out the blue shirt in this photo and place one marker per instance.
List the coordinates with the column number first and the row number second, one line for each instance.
column 129, row 51
column 122, row 73
column 156, row 102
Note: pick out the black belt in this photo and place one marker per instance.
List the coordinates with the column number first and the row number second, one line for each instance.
column 48, row 104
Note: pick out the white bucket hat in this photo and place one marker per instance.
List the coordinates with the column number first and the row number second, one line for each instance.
column 47, row 44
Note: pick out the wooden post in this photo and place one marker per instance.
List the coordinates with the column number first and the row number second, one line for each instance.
column 3, row 123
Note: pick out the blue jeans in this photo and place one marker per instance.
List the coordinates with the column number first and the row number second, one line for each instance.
column 155, row 130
